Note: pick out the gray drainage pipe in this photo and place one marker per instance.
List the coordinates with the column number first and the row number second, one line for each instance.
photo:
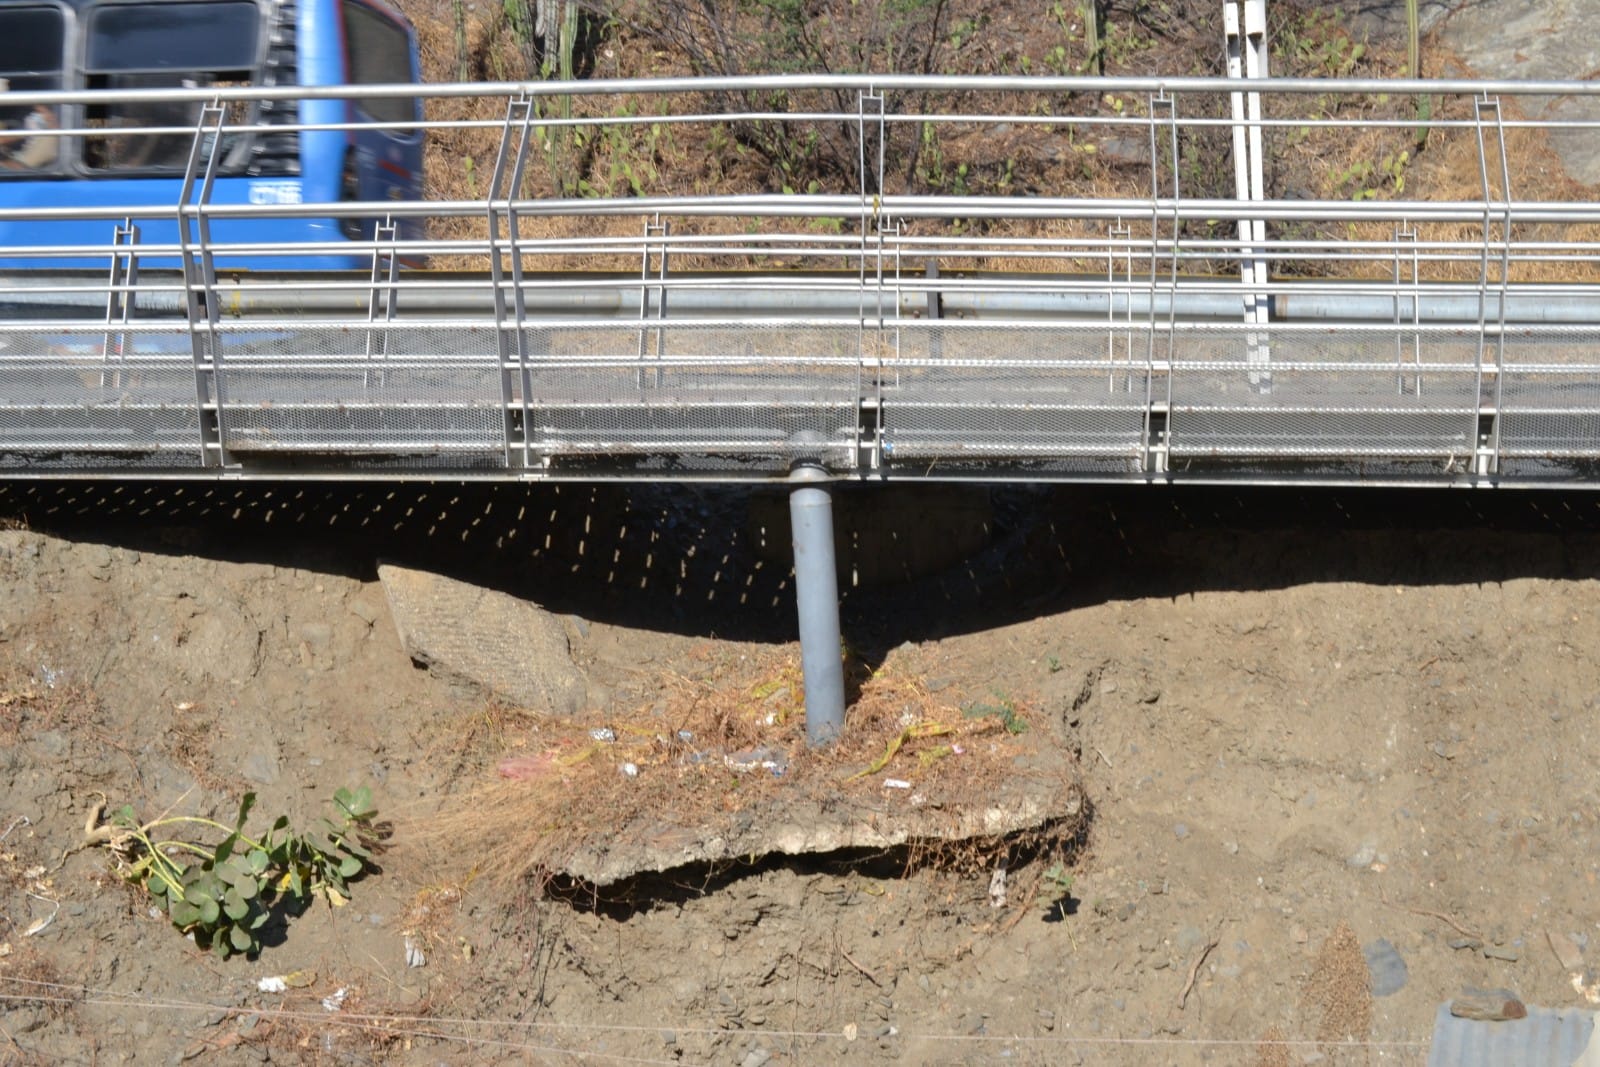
column 34, row 297
column 816, row 587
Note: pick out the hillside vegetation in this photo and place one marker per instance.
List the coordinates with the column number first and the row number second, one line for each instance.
column 543, row 39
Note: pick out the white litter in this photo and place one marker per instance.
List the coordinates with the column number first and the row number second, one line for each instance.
column 38, row 925
column 896, row 783
column 997, row 888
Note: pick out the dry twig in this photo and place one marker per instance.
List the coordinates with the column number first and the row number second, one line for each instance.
column 1441, row 916
column 869, row 975
column 1033, row 892
column 1194, row 969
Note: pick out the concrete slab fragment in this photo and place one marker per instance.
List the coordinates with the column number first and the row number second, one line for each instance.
column 511, row 647
column 818, row 819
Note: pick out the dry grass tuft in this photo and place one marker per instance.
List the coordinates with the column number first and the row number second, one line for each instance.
column 37, row 703
column 715, row 745
column 29, row 979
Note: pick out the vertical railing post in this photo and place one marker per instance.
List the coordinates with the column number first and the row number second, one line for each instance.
column 653, row 299
column 1156, row 446
column 816, row 586
column 121, row 298
column 200, row 286
column 510, row 338
column 381, row 294
column 871, row 128
column 1487, row 424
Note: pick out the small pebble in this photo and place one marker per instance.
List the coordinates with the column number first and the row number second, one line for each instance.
column 1364, row 856
column 1459, row 943
column 1504, row 953
column 1180, row 831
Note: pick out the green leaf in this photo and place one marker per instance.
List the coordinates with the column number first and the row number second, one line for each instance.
column 183, row 914
column 350, row 866
column 248, row 889
column 258, row 860
column 234, row 905
column 245, row 805
column 356, row 804
column 210, row 911
column 225, row 849
column 240, row 938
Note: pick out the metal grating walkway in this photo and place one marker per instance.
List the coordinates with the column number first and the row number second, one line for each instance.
column 1153, row 334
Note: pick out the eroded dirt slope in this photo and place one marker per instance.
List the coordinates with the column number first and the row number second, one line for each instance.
column 1295, row 711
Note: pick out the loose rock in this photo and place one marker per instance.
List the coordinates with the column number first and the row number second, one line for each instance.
column 1567, row 953
column 1364, row 856
column 1388, row 969
column 1488, row 1005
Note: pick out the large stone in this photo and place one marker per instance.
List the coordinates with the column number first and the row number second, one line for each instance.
column 511, row 647
column 1536, row 41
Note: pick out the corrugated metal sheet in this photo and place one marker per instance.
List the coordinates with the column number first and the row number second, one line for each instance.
column 1546, row 1038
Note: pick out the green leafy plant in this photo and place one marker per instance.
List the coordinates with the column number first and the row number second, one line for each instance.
column 1055, row 890
column 1055, row 884
column 227, row 893
column 1318, row 42
column 1364, row 180
column 1003, row 709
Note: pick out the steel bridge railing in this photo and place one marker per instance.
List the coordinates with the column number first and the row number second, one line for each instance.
column 1017, row 278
